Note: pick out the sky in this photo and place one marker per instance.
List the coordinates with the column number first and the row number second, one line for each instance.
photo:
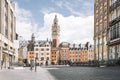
column 76, row 19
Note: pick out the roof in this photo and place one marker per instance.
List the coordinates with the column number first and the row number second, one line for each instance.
column 42, row 43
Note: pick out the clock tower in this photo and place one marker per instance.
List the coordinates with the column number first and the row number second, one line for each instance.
column 55, row 33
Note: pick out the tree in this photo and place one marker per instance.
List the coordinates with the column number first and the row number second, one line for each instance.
column 20, row 59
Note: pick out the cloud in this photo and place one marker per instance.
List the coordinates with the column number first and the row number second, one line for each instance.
column 25, row 24
column 76, row 7
column 47, row 10
column 72, row 29
column 68, row 5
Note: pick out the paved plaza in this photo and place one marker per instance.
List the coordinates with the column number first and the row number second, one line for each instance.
column 86, row 73
column 62, row 73
column 25, row 74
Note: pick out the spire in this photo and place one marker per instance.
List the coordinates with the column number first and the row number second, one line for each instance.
column 55, row 19
column 33, row 37
column 55, row 32
column 47, row 39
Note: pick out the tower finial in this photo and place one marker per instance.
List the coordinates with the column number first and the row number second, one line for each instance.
column 55, row 19
column 56, row 16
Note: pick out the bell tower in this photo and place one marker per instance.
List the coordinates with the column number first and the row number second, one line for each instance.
column 55, row 33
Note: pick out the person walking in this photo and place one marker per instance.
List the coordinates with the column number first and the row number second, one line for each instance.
column 46, row 63
column 31, row 65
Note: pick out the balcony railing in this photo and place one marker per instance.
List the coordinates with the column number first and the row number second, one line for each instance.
column 113, row 22
column 114, row 5
column 114, row 41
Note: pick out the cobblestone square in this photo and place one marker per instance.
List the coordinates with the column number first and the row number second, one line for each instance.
column 62, row 73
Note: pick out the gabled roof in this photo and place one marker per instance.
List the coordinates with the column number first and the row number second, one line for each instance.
column 43, row 42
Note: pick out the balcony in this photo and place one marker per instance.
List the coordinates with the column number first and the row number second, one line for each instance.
column 5, row 50
column 117, row 3
column 113, row 22
column 114, row 41
column 114, row 5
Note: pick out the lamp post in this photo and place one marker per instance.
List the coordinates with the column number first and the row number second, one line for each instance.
column 59, row 56
column 9, row 59
column 36, row 64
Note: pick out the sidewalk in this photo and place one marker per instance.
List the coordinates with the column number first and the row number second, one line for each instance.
column 26, row 74
column 44, row 74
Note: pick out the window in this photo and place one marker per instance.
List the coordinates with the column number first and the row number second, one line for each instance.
column 101, row 3
column 112, row 16
column 105, row 10
column 47, row 58
column 42, row 58
column 5, row 4
column 47, row 49
column 47, row 53
column 96, row 3
column 100, row 41
column 112, row 2
column 5, row 25
column 105, row 42
column 96, row 29
column 37, row 55
column 36, row 45
column 100, row 27
column 42, row 49
column 36, row 49
column 101, row 14
column 111, row 33
column 105, row 24
column 42, row 53
column 118, row 12
column 119, row 29
column 96, row 17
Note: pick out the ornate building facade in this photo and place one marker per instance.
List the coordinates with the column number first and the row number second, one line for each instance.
column 55, row 41
column 42, row 50
column 114, row 30
column 101, row 23
column 7, row 32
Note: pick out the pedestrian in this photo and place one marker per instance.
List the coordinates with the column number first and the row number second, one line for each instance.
column 1, row 64
column 31, row 65
column 41, row 64
column 46, row 63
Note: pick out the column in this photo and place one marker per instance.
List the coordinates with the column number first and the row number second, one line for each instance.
column 0, row 54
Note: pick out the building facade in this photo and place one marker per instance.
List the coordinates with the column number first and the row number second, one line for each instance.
column 7, row 32
column 22, row 50
column 55, row 41
column 30, row 57
column 91, row 53
column 64, row 55
column 30, row 50
column 42, row 50
column 81, row 53
column 75, row 55
column 101, row 23
column 114, row 30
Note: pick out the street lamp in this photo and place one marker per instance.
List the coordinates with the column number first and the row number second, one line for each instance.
column 59, row 56
column 36, row 64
